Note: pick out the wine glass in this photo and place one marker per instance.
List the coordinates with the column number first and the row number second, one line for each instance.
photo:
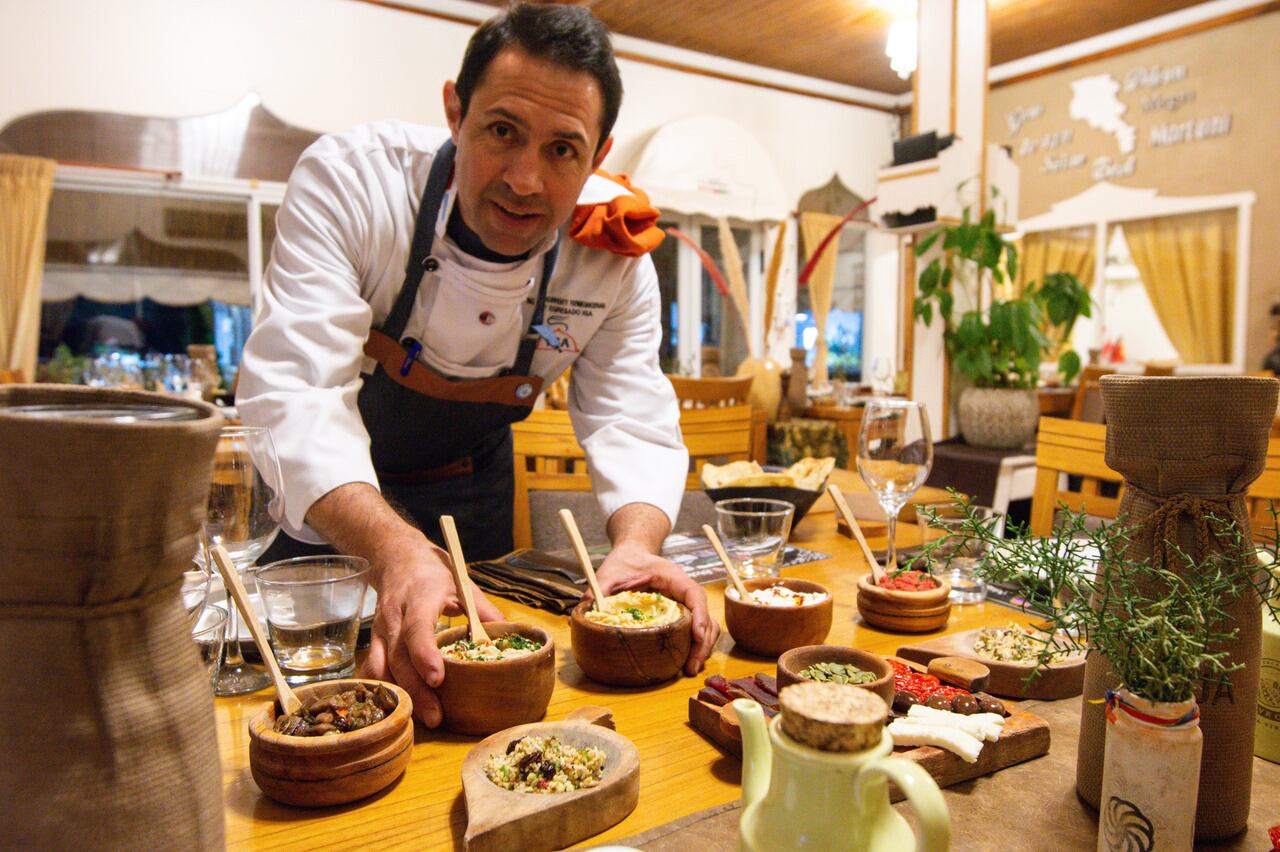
column 244, row 507
column 882, row 372
column 895, row 453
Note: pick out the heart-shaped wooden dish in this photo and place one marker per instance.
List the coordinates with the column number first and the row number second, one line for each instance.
column 499, row 819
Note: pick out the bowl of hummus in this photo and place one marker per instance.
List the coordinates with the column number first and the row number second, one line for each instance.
column 632, row 639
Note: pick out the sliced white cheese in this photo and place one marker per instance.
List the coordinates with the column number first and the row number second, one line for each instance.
column 906, row 732
column 984, row 726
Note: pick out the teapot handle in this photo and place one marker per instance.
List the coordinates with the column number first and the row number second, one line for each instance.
column 922, row 791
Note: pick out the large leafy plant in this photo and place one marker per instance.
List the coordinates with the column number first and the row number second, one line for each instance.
column 1003, row 346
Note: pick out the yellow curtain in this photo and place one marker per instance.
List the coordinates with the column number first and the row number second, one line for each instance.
column 25, row 186
column 1188, row 265
column 1041, row 253
column 813, row 227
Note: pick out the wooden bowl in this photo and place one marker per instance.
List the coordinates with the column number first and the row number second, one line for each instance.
column 499, row 819
column 479, row 698
column 623, row 656
column 904, row 612
column 322, row 771
column 797, row 660
column 770, row 630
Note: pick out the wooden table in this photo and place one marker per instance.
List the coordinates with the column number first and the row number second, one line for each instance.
column 680, row 772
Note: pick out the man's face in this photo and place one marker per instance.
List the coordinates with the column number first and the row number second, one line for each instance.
column 525, row 148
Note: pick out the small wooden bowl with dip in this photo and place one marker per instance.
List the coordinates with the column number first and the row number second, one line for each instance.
column 481, row 697
column 768, row 629
column 622, row 655
column 901, row 611
column 795, row 661
column 331, row 770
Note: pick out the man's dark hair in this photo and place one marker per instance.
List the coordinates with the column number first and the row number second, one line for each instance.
column 567, row 35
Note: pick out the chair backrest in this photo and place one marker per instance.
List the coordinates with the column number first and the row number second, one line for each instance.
column 547, row 455
column 710, row 392
column 1087, row 404
column 1158, row 368
column 11, row 376
column 1074, row 448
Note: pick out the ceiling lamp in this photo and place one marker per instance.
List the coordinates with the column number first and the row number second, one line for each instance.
column 901, row 45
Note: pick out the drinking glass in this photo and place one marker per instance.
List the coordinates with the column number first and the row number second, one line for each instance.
column 754, row 532
column 895, row 453
column 243, row 516
column 313, row 606
column 957, row 558
column 208, row 633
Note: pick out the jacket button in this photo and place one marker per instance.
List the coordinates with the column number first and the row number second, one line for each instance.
column 431, row 264
column 523, row 391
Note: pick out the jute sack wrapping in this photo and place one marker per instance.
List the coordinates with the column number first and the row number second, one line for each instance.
column 1189, row 448
column 109, row 725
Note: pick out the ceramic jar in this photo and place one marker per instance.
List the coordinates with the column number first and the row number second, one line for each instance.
column 1150, row 775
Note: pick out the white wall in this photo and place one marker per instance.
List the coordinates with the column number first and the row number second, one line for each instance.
column 328, row 64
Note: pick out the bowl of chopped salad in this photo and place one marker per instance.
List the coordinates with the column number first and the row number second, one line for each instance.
column 493, row 685
column 632, row 639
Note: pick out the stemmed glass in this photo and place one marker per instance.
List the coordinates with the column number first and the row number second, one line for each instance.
column 244, row 508
column 895, row 453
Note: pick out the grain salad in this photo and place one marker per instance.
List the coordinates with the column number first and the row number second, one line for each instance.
column 545, row 765
column 501, row 648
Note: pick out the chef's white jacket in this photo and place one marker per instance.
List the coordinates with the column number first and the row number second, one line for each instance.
column 343, row 237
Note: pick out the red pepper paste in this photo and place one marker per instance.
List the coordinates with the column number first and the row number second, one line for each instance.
column 908, row 581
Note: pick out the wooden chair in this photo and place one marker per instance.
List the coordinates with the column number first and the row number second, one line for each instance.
column 548, row 457
column 1070, row 448
column 1087, row 404
column 1263, row 490
column 1158, row 368
column 11, row 377
column 719, row 392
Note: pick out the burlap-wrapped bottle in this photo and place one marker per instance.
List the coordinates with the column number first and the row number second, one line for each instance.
column 109, row 725
column 1189, row 448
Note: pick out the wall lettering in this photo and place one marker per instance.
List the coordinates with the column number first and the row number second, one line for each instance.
column 1192, row 130
column 1021, row 116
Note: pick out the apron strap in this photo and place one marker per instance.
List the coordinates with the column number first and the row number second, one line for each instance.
column 424, row 230
column 537, row 330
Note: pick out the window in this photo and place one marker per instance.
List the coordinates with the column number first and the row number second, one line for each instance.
column 848, row 303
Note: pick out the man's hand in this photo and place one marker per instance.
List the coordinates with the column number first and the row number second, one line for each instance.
column 414, row 589
column 637, row 531
column 414, row 583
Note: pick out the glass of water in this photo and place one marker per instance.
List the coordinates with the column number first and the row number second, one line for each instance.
column 754, row 532
column 313, row 606
column 959, row 554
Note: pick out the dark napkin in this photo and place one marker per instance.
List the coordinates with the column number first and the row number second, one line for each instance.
column 534, row 578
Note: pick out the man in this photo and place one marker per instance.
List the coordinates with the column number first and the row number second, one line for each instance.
column 419, row 294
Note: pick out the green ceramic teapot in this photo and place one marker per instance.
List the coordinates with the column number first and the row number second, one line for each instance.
column 797, row 797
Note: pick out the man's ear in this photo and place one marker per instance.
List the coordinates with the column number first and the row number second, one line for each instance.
column 601, row 154
column 453, row 109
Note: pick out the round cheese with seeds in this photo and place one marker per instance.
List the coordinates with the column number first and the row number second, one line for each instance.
column 832, row 716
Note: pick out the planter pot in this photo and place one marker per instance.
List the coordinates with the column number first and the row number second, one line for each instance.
column 998, row 418
column 1151, row 775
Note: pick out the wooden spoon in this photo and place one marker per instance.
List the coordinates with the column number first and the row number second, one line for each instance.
column 876, row 571
column 728, row 563
column 231, row 579
column 580, row 548
column 461, row 578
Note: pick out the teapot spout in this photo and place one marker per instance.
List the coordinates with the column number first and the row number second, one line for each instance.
column 757, row 757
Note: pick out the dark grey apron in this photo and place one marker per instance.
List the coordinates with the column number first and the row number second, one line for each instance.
column 442, row 445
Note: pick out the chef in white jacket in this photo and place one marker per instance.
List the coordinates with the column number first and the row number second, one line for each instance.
column 424, row 286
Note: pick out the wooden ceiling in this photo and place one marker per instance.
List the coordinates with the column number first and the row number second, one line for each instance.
column 843, row 40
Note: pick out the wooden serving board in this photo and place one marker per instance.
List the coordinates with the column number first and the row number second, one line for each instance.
column 1024, row 736
column 1063, row 679
column 498, row 819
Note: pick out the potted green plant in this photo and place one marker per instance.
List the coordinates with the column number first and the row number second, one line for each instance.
column 997, row 350
column 1164, row 630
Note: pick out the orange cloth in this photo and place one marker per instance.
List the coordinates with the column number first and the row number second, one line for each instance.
column 625, row 225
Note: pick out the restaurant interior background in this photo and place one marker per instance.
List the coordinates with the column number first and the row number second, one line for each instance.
column 176, row 249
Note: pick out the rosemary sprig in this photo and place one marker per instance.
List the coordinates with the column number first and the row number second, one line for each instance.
column 1163, row 628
